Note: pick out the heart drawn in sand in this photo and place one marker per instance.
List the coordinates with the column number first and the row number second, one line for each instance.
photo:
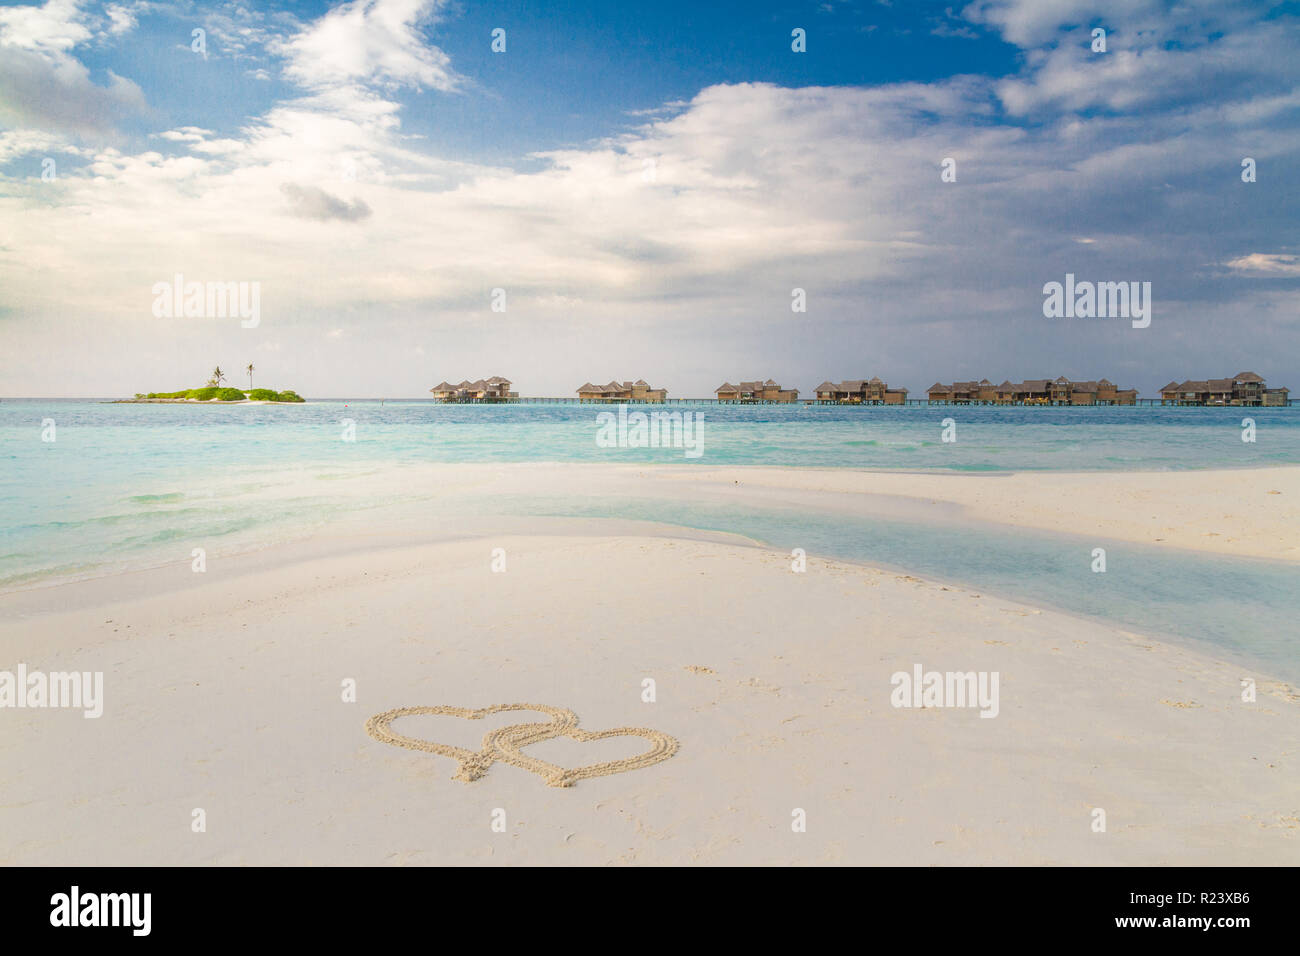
column 507, row 743
column 471, row 764
column 510, row 741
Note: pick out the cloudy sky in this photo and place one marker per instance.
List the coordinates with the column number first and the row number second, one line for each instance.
column 647, row 183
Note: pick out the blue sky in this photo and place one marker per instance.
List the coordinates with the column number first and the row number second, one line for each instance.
column 648, row 184
column 574, row 71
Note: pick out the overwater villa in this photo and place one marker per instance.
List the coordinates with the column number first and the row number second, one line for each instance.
column 637, row 391
column 494, row 389
column 756, row 392
column 1040, row 391
column 861, row 392
column 1244, row 388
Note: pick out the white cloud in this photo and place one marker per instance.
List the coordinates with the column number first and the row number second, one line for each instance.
column 1266, row 264
column 1034, row 22
column 186, row 134
column 830, row 187
column 376, row 42
column 122, row 16
column 42, row 85
column 56, row 92
column 52, row 28
column 24, row 142
column 757, row 189
column 312, row 202
column 1139, row 71
column 239, row 30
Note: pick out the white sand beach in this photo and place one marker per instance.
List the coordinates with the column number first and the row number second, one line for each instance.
column 224, row 692
column 1243, row 512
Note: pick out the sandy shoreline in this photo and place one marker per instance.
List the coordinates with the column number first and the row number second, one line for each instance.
column 1247, row 513
column 225, row 695
column 224, row 691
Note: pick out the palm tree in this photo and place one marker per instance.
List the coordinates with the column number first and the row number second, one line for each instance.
column 218, row 376
column 250, row 376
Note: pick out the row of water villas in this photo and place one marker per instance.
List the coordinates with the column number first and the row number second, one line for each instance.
column 494, row 389
column 1243, row 389
column 1039, row 391
column 858, row 391
column 758, row 392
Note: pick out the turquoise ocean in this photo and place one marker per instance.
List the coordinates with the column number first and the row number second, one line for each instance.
column 125, row 485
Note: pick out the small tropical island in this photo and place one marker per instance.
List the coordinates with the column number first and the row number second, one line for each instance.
column 214, row 391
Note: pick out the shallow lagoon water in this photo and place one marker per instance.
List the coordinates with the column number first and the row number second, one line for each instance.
column 127, row 485
column 1244, row 608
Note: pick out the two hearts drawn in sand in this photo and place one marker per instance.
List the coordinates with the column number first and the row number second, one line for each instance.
column 507, row 743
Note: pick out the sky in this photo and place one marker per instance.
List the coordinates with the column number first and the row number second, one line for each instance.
column 635, row 191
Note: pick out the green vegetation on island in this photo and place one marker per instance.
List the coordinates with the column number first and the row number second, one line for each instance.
column 211, row 392
column 215, row 392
